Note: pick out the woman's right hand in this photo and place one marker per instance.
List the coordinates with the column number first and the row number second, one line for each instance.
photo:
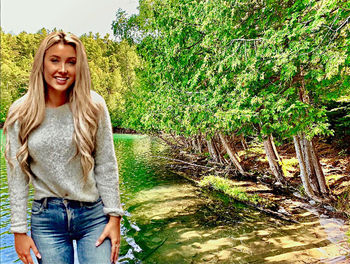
column 23, row 243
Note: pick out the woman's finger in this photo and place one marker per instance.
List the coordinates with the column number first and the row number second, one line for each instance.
column 29, row 258
column 113, row 252
column 24, row 259
column 116, row 253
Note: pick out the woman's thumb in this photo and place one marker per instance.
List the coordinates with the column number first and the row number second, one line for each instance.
column 100, row 239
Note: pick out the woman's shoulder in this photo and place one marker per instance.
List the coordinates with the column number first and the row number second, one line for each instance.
column 18, row 101
column 97, row 98
column 13, row 115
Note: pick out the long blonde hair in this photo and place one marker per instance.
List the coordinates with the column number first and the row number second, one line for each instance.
column 31, row 111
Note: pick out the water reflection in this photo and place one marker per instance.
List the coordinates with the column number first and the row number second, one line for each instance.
column 169, row 220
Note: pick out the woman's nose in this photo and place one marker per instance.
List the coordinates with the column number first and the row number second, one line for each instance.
column 62, row 68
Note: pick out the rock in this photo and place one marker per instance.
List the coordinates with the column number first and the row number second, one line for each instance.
column 312, row 202
column 330, row 208
column 156, row 240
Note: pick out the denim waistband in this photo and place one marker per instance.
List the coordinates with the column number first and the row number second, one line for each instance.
column 59, row 200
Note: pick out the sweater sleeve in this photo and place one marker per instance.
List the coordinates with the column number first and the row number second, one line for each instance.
column 18, row 183
column 106, row 167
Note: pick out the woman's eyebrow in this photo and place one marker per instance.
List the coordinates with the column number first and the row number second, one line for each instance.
column 60, row 57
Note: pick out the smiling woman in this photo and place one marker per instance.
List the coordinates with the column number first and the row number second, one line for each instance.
column 59, row 71
column 59, row 137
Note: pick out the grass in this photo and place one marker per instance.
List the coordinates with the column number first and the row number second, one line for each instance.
column 226, row 186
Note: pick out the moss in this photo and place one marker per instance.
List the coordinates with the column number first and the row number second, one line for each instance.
column 333, row 177
column 226, row 186
column 289, row 165
column 345, row 98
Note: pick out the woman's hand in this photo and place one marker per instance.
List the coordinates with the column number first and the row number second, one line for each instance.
column 112, row 230
column 23, row 243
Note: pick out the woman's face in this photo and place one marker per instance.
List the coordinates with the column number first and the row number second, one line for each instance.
column 59, row 67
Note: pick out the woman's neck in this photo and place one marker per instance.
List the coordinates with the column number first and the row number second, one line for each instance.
column 56, row 99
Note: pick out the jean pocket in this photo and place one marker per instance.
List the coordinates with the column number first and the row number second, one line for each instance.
column 37, row 207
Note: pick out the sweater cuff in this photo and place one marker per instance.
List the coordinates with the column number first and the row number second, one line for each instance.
column 19, row 228
column 113, row 211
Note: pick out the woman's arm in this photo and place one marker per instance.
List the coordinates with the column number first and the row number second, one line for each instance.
column 106, row 167
column 18, row 186
column 18, row 183
column 107, row 178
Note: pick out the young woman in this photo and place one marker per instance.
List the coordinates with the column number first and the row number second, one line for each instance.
column 59, row 138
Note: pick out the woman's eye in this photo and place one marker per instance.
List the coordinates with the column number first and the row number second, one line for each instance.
column 54, row 60
column 72, row 62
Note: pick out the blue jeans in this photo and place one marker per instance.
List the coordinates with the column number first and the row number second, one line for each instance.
column 56, row 222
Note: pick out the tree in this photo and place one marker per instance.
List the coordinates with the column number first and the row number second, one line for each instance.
column 239, row 68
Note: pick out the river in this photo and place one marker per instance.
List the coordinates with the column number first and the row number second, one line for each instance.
column 170, row 220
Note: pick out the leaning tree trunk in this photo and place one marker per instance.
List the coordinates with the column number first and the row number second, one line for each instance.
column 303, row 174
column 213, row 151
column 180, row 144
column 274, row 159
column 244, row 142
column 232, row 154
column 194, row 144
column 199, row 144
column 310, row 168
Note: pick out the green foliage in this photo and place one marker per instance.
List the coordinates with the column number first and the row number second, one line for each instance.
column 226, row 186
column 113, row 65
column 239, row 67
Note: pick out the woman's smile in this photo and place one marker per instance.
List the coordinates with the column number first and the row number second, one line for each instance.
column 61, row 80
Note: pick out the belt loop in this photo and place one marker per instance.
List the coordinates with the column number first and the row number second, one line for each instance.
column 45, row 203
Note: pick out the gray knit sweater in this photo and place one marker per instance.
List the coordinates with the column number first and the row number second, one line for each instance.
column 54, row 173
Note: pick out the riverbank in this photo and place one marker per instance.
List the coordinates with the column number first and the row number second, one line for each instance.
column 260, row 185
column 286, row 205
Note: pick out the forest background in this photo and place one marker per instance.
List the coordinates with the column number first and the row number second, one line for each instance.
column 225, row 79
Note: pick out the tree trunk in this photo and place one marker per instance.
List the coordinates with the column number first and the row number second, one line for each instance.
column 219, row 150
column 232, row 153
column 274, row 160
column 319, row 172
column 199, row 144
column 231, row 142
column 176, row 140
column 303, row 174
column 310, row 169
column 244, row 143
column 308, row 159
column 213, row 150
column 194, row 144
column 165, row 140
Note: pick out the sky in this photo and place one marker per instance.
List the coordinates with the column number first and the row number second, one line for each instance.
column 75, row 16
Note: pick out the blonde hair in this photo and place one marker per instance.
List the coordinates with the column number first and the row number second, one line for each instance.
column 31, row 111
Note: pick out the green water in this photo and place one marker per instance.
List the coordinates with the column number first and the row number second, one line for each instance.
column 169, row 220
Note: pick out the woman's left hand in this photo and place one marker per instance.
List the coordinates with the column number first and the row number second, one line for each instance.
column 112, row 230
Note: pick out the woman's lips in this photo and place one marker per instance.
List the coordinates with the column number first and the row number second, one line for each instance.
column 61, row 80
